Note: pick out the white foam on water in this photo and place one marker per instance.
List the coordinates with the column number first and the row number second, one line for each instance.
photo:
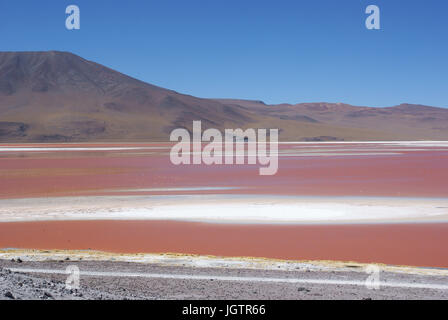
column 227, row 209
column 278, row 213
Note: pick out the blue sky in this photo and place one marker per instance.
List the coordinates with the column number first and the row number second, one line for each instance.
column 275, row 51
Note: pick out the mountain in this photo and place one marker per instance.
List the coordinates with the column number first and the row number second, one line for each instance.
column 405, row 121
column 58, row 96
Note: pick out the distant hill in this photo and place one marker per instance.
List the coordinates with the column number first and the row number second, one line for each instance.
column 58, row 96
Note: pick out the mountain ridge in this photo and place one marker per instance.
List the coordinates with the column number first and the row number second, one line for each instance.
column 55, row 96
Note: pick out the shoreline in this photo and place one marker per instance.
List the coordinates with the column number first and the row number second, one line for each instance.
column 208, row 261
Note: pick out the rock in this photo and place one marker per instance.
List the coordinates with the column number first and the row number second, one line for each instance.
column 9, row 295
column 300, row 289
column 47, row 295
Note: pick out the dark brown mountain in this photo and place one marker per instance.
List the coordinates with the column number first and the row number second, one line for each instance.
column 58, row 96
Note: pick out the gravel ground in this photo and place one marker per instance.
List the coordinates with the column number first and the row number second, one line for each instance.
column 31, row 285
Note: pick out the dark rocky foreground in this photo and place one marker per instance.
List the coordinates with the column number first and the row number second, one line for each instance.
column 31, row 285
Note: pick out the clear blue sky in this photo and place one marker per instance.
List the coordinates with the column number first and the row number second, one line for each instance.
column 276, row 51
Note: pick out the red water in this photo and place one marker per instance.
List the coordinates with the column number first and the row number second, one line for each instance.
column 36, row 174
column 405, row 244
column 412, row 173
